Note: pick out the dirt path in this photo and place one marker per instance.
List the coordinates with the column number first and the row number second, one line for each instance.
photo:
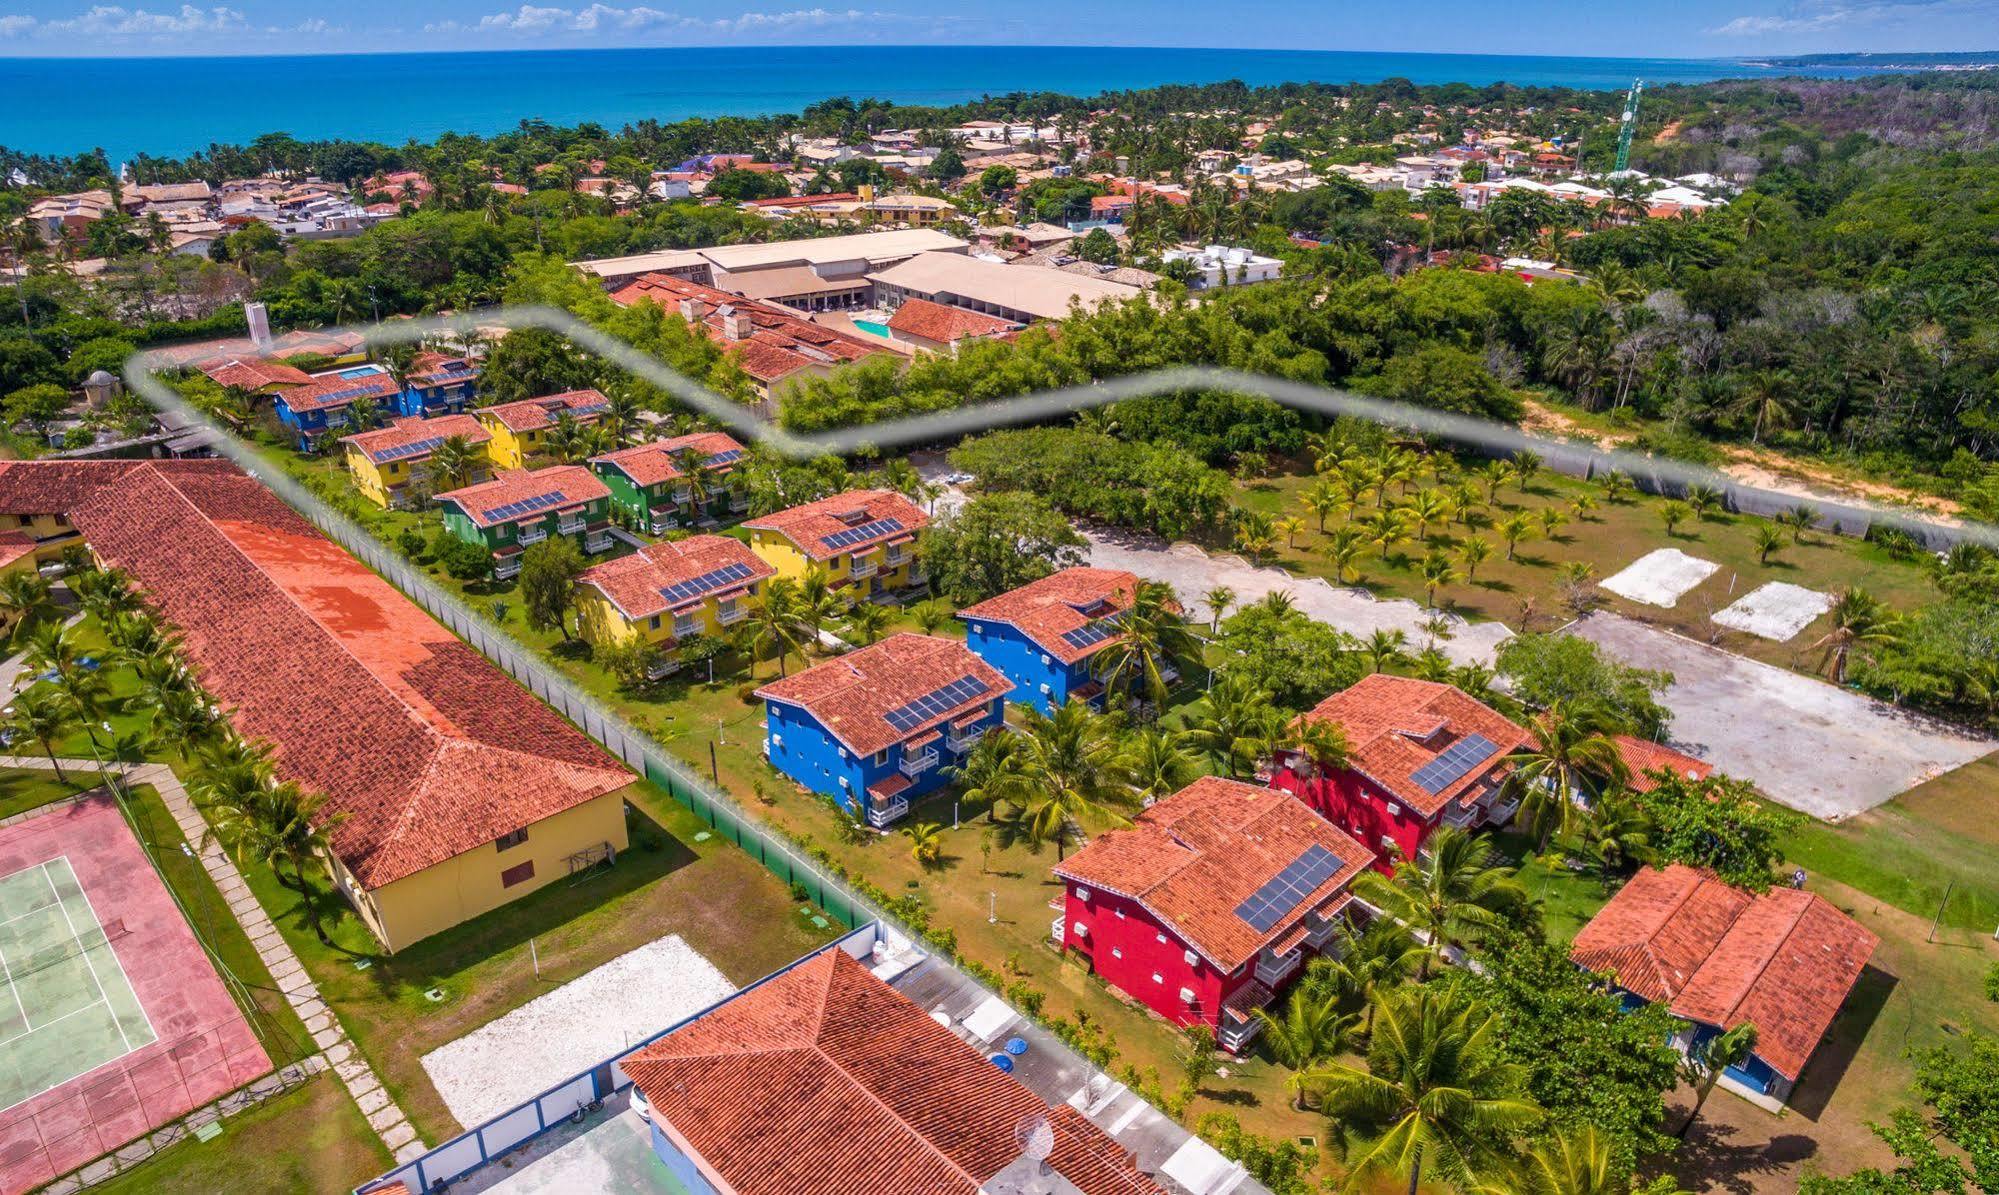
column 1769, row 470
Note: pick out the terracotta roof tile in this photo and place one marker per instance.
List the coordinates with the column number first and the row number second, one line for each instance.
column 325, row 394
column 1059, row 603
column 1395, row 725
column 851, row 695
column 255, row 374
column 576, row 485
column 1644, row 755
column 662, row 460
column 425, row 747
column 779, row 343
column 808, row 526
column 1193, row 857
column 944, row 323
column 827, row 1079
column 14, row 545
column 534, row 414
column 635, row 583
column 1783, row 960
column 435, row 369
column 384, row 443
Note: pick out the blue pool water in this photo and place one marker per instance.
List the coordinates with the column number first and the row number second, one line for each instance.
column 872, row 327
column 361, row 371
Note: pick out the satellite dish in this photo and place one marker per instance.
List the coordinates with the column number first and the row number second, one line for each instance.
column 1035, row 1136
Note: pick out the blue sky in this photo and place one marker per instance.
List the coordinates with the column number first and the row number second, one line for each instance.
column 1690, row 28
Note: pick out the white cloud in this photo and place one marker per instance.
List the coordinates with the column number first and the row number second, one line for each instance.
column 537, row 19
column 115, row 21
column 1826, row 16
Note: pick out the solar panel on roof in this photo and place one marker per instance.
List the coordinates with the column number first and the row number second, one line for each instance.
column 865, row 531
column 592, row 409
column 724, row 457
column 914, row 714
column 707, row 582
column 1286, row 890
column 402, row 451
column 1450, row 767
column 525, row 505
column 1092, row 633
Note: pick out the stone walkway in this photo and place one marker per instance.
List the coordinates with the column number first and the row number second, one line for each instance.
column 384, row 1116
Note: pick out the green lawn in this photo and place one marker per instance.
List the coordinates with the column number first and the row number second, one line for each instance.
column 1608, row 538
column 1568, row 898
column 22, row 789
column 311, row 1138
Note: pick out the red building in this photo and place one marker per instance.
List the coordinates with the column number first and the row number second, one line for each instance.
column 1209, row 902
column 1422, row 755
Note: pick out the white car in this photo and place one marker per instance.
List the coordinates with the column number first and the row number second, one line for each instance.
column 640, row 1104
column 959, row 478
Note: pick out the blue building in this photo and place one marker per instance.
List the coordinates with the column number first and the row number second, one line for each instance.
column 1045, row 637
column 1718, row 957
column 881, row 726
column 438, row 385
column 318, row 412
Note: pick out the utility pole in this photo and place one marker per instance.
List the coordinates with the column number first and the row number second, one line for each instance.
column 1628, row 125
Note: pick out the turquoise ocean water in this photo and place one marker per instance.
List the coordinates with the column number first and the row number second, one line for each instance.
column 174, row 105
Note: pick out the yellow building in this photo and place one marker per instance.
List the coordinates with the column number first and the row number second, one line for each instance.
column 667, row 592
column 49, row 533
column 385, row 462
column 865, row 538
column 520, row 429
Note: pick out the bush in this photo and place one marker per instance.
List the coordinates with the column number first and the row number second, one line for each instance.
column 1677, row 443
column 411, row 543
column 1992, row 984
column 465, row 561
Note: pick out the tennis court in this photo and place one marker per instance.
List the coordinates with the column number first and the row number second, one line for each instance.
column 68, row 1007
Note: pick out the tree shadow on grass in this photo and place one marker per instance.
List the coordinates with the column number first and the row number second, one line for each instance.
column 1720, row 1157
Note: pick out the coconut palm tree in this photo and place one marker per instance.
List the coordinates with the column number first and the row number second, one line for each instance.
column 1229, row 720
column 1673, row 512
column 1613, row 834
column 1707, row 1060
column 1474, row 550
column 1859, row 620
column 1072, row 775
column 1219, row 601
column 1428, row 507
column 1438, row 571
column 1311, row 1030
column 1160, row 762
column 1514, row 528
column 567, row 439
column 818, row 603
column 26, row 597
column 1617, row 485
column 867, row 620
column 1800, row 519
column 1573, row 759
column 1451, row 893
column 452, row 462
column 1494, row 475
column 1151, row 637
column 1384, row 529
column 991, row 772
column 1372, row 961
column 106, row 592
column 44, row 717
column 284, row 827
column 930, row 615
column 773, row 622
column 1551, row 520
column 1344, row 549
column 1438, row 1095
column 182, row 719
column 1702, row 499
column 1770, row 540
column 1322, row 741
column 926, row 843
column 1385, row 649
column 1766, row 399
column 1569, row 1161
column 1323, row 498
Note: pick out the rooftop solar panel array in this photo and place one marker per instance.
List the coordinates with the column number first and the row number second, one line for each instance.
column 348, row 392
column 726, row 456
column 1450, row 767
column 923, row 709
column 526, row 505
column 1092, row 633
column 866, row 531
column 1287, row 889
column 595, row 408
column 402, row 451
column 707, row 582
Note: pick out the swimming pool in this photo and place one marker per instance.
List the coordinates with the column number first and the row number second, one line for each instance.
column 872, row 327
column 361, row 371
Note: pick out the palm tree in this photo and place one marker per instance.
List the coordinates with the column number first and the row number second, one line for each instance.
column 1344, row 549
column 1311, row 1030
column 1551, row 520
column 107, row 593
column 1474, row 550
column 1453, row 891
column 1151, row 637
column 1769, row 540
column 284, row 827
column 1706, row 1062
column 1494, row 475
column 1322, row 498
column 1437, row 573
column 1230, row 719
column 1513, row 529
column 1386, row 648
column 1322, row 741
column 991, row 772
column 1290, row 529
column 1800, row 519
column 1372, row 961
column 44, row 717
column 1428, row 507
column 1766, row 398
column 772, row 623
column 1616, row 485
column 1581, row 505
column 926, row 843
column 1384, row 529
column 1572, row 760
column 1614, row 834
column 183, row 719
column 818, row 603
column 452, row 461
column 1255, row 536
column 1219, row 600
column 1072, row 773
column 25, row 597
column 567, row 440
column 1859, row 620
column 1439, row 1087
column 1701, row 499
column 930, row 615
column 867, row 620
column 1673, row 512
column 1159, row 763
column 55, row 648
column 1570, row 1161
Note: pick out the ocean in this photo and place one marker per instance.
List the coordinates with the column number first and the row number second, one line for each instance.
column 170, row 106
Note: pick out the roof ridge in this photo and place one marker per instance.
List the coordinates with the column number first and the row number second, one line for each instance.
column 1796, row 918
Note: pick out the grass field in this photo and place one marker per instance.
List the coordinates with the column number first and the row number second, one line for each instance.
column 23, row 789
column 311, row 1138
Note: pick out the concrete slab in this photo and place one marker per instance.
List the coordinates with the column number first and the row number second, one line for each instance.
column 1823, row 750
column 1777, row 611
column 1658, row 578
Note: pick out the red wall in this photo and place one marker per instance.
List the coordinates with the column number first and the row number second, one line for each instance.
column 1354, row 804
column 1136, row 935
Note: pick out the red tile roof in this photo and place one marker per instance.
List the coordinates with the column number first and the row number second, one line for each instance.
column 255, row 374
column 1193, row 857
column 1047, row 609
column 1783, row 960
column 634, row 583
column 852, row 695
column 827, row 1079
column 661, row 460
column 576, row 484
column 383, row 442
column 436, row 369
column 329, row 393
column 808, row 526
column 533, row 414
column 1395, row 725
column 945, row 323
column 426, row 748
column 779, row 342
column 14, row 545
column 1643, row 756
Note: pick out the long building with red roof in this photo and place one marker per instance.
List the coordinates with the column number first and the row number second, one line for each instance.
column 653, row 485
column 773, row 343
column 1209, row 902
column 1718, row 957
column 453, row 789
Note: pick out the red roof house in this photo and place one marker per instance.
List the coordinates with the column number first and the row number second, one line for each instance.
column 1717, row 956
column 940, row 326
column 1643, row 757
column 1209, row 902
column 771, row 342
column 257, row 375
column 821, row 530
column 1423, row 754
column 826, row 1079
column 664, row 579
column 1045, row 634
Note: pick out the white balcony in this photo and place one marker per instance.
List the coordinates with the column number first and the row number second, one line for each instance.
column 738, row 503
column 505, row 567
column 1235, row 1035
column 862, row 569
column 684, row 628
column 597, row 541
column 1055, row 928
column 1460, row 815
column 682, row 496
column 573, row 526
column 881, row 813
column 730, row 613
column 662, row 666
column 961, row 741
column 916, row 765
column 1500, row 814
column 1274, row 970
column 531, row 535
column 896, row 557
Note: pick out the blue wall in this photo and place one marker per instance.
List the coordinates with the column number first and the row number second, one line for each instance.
column 308, row 424
column 434, row 400
column 1755, row 1073
column 1008, row 649
column 682, row 1167
column 809, row 754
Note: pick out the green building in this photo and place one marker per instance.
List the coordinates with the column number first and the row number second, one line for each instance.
column 521, row 507
column 682, row 482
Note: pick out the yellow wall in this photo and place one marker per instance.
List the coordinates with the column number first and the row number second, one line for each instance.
column 603, row 623
column 464, row 886
column 780, row 554
column 54, row 528
column 506, row 449
column 374, row 480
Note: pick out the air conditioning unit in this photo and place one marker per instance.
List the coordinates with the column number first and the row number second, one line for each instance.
column 777, row 740
column 1186, row 995
column 1044, row 657
column 1190, row 957
column 1079, row 929
column 1083, row 894
column 1045, row 688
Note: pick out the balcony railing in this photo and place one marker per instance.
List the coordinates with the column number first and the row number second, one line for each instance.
column 961, row 741
column 506, row 567
column 896, row 557
column 531, row 535
column 1271, row 971
column 1501, row 813
column 1235, row 1035
column 662, row 666
column 661, row 524
column 729, row 613
column 573, row 526
column 1055, row 928
column 683, row 628
column 860, row 569
column 597, row 541
column 916, row 765
column 881, row 813
column 1459, row 815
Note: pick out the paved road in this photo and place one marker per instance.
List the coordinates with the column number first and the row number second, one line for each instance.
column 1825, row 751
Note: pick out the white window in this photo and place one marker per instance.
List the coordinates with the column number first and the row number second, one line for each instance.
column 1116, row 953
column 978, row 629
column 1186, row 995
column 1158, row 978
column 1079, row 929
column 1161, row 938
column 1191, row 958
column 1119, row 913
column 881, row 756
column 1044, row 657
column 1083, row 894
